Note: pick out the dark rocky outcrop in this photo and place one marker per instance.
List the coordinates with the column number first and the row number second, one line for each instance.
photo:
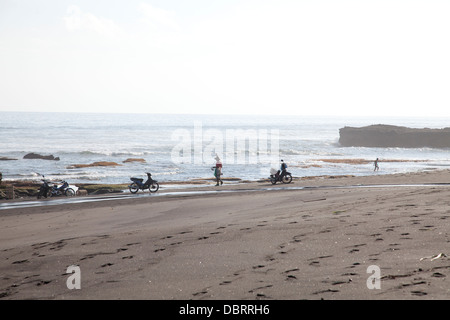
column 387, row 136
column 38, row 156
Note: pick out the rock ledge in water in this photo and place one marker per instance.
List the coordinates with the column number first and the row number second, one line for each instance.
column 95, row 164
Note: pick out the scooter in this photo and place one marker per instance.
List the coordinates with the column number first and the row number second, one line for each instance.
column 276, row 176
column 138, row 184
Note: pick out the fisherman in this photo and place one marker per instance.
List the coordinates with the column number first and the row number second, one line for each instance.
column 218, row 171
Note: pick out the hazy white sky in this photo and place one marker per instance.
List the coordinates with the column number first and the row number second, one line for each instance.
column 380, row 57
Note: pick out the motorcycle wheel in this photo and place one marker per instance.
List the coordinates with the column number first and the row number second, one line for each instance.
column 273, row 181
column 69, row 192
column 134, row 187
column 154, row 187
column 287, row 178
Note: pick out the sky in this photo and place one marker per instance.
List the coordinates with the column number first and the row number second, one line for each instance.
column 292, row 57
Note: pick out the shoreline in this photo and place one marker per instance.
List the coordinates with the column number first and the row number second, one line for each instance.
column 311, row 243
column 26, row 189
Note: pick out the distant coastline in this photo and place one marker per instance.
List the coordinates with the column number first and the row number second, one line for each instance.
column 388, row 136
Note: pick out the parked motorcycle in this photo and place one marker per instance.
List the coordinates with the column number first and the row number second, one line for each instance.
column 63, row 189
column 276, row 176
column 50, row 189
column 138, row 184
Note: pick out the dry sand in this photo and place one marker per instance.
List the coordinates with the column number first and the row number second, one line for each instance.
column 315, row 243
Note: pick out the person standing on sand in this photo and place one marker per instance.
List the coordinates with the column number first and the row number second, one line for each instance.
column 376, row 165
column 218, row 171
column 283, row 168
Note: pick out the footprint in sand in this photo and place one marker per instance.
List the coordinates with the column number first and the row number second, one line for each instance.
column 418, row 293
column 426, row 228
column 315, row 262
column 40, row 245
column 438, row 275
column 204, row 291
column 42, row 283
column 258, row 266
column 107, row 265
column 354, row 265
column 290, row 276
column 339, row 282
column 355, row 247
column 326, row 291
column 260, row 288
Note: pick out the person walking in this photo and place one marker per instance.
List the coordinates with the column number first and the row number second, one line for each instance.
column 218, row 171
column 376, row 165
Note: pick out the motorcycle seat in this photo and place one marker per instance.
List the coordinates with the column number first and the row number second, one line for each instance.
column 137, row 179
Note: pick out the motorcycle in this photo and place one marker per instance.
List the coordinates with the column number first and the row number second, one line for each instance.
column 49, row 189
column 63, row 189
column 276, row 176
column 138, row 184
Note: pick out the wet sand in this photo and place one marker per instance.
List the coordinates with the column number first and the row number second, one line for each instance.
column 312, row 243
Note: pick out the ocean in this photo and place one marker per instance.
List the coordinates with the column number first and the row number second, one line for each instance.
column 183, row 147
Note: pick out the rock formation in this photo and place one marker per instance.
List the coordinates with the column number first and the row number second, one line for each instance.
column 387, row 136
column 38, row 156
column 95, row 164
column 134, row 160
